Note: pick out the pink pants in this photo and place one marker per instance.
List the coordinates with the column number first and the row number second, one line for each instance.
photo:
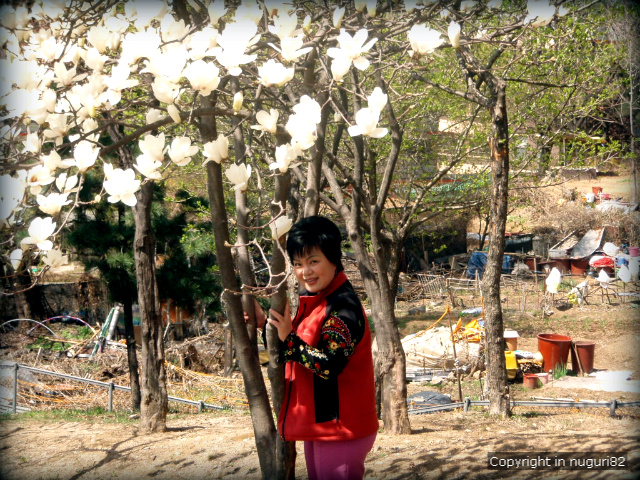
column 342, row 460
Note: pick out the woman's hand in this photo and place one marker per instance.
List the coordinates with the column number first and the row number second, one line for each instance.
column 281, row 322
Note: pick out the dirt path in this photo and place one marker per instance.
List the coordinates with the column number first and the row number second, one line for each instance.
column 448, row 445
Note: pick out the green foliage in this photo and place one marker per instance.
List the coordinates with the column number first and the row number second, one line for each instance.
column 94, row 414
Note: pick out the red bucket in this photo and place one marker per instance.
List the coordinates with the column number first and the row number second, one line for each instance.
column 585, row 350
column 554, row 349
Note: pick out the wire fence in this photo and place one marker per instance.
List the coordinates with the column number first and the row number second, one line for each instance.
column 613, row 408
column 18, row 395
column 22, row 389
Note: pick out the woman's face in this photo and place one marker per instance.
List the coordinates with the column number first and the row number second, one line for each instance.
column 313, row 270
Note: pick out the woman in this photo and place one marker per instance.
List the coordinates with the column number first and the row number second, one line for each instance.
column 329, row 400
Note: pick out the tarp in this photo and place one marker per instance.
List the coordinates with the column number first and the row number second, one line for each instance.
column 433, row 348
column 478, row 261
column 588, row 244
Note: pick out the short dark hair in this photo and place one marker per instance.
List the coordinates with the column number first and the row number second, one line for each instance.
column 312, row 232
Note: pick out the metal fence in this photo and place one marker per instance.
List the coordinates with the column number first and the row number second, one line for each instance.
column 612, row 407
column 11, row 404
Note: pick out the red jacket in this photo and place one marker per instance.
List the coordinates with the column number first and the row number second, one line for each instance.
column 329, row 380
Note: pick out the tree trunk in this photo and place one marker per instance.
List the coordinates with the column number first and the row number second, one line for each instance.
column 390, row 366
column 154, row 399
column 390, row 361
column 132, row 357
column 498, row 387
column 285, row 451
column 256, row 390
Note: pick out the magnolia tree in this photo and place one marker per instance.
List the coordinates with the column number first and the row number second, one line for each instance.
column 291, row 108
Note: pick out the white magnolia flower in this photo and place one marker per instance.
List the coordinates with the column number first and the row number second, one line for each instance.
column 181, row 151
column 58, row 127
column 268, row 121
column 359, row 5
column 303, row 132
column 148, row 166
column 285, row 154
column 306, row 24
column 54, row 258
column 234, row 40
column 203, row 42
column 353, row 48
column 99, row 37
column 454, row 34
column 338, row 15
column 154, row 115
column 203, row 77
column 119, row 79
column 50, row 99
column 238, row 98
column 23, row 102
column 84, row 156
column 280, row 226
column 291, row 48
column 32, row 143
column 339, row 67
column 64, row 76
column 216, row 150
column 12, row 190
column 66, row 184
column 40, row 230
column 52, row 203
column 367, row 124
column 49, row 49
column 121, row 185
column 540, row 13
column 138, row 45
column 153, row 146
column 309, row 109
column 284, row 26
column 274, row 73
column 168, row 65
column 377, row 100
column 248, row 12
column 15, row 257
column 37, row 177
column 424, row 40
column 239, row 176
column 164, row 90
column 174, row 113
column 173, row 30
column 216, row 10
column 94, row 59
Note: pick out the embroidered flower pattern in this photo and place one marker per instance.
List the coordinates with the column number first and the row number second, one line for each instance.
column 332, row 352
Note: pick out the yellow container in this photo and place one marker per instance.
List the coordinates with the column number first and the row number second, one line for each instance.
column 511, row 363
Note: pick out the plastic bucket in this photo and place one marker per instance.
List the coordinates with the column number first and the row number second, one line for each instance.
column 543, row 377
column 585, row 350
column 579, row 267
column 554, row 349
column 530, row 380
column 634, row 251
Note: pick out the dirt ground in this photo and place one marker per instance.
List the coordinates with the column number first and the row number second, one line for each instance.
column 450, row 445
column 442, row 445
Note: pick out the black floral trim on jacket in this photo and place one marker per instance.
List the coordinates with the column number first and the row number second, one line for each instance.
column 338, row 338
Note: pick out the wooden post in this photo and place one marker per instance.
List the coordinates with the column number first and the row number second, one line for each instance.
column 455, row 358
column 15, row 387
column 111, row 387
